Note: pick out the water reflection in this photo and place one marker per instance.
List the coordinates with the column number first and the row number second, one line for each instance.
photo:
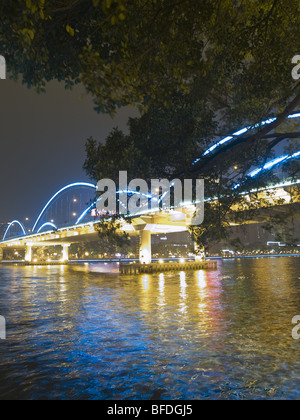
column 74, row 332
column 161, row 299
column 183, row 296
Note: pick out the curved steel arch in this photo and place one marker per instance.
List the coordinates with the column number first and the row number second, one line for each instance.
column 82, row 216
column 10, row 225
column 76, row 184
column 269, row 165
column 240, row 132
column 47, row 224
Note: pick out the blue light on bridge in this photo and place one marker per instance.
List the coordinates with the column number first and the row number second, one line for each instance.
column 76, row 184
column 15, row 222
column 274, row 162
column 45, row 225
column 85, row 213
column 239, row 133
column 270, row 165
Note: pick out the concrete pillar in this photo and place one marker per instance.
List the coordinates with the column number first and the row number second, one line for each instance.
column 65, row 256
column 1, row 254
column 28, row 253
column 145, row 247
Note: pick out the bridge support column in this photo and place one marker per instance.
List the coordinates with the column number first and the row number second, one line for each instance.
column 65, row 256
column 145, row 247
column 28, row 253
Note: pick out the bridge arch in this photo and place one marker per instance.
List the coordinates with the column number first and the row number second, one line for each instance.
column 82, row 216
column 240, row 132
column 269, row 165
column 47, row 224
column 52, row 199
column 14, row 222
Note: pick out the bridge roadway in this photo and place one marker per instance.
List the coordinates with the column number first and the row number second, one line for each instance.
column 144, row 226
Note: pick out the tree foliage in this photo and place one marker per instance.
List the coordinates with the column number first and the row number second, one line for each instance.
column 162, row 142
column 235, row 55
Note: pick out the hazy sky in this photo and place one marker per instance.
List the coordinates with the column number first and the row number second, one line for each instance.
column 42, row 143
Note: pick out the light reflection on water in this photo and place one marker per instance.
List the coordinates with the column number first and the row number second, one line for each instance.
column 77, row 333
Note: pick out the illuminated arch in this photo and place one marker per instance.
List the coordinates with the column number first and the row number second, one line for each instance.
column 15, row 222
column 240, row 132
column 47, row 224
column 269, row 165
column 82, row 216
column 76, row 184
column 127, row 191
column 274, row 162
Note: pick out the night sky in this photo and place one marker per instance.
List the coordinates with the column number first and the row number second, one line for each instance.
column 43, row 143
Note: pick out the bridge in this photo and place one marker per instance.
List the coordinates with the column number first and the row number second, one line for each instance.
column 81, row 221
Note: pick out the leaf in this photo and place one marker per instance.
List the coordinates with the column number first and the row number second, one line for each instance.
column 70, row 30
column 31, row 34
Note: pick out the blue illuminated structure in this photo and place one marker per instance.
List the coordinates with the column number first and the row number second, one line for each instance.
column 240, row 132
column 274, row 162
column 47, row 224
column 15, row 222
column 85, row 213
column 76, row 184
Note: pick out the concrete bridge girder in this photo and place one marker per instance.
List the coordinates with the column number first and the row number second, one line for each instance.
column 144, row 225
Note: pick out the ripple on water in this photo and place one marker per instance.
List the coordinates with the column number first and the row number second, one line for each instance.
column 225, row 334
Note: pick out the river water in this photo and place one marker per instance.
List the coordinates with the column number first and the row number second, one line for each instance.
column 75, row 332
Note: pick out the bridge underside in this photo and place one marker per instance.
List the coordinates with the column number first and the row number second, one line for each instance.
column 143, row 226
